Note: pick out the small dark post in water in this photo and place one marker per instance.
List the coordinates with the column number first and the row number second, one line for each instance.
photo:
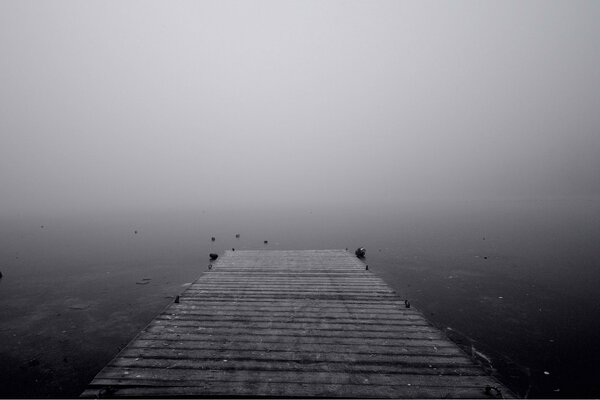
column 266, row 241
column 177, row 299
column 367, row 268
column 0, row 274
column 213, row 256
column 232, row 249
column 360, row 252
column 212, row 238
column 237, row 235
column 406, row 303
column 135, row 232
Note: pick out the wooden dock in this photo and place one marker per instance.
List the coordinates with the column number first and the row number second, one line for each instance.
column 309, row 323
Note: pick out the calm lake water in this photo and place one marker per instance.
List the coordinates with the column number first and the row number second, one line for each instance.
column 515, row 282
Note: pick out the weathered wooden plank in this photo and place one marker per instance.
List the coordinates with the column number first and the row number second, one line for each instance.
column 291, row 323
column 306, row 305
column 231, row 330
column 286, row 294
column 262, row 365
column 238, row 304
column 296, row 326
column 299, row 356
column 265, row 365
column 245, row 319
column 190, row 376
column 289, row 309
column 293, row 390
column 404, row 340
column 344, row 290
column 369, row 349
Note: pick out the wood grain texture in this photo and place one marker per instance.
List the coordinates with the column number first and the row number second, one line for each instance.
column 309, row 323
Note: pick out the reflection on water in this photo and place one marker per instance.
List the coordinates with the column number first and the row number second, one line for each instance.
column 514, row 283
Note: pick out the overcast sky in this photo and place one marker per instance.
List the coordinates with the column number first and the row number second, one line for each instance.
column 126, row 104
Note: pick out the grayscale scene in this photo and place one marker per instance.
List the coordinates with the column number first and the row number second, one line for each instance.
column 186, row 186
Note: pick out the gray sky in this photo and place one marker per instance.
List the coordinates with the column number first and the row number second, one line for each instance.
column 127, row 104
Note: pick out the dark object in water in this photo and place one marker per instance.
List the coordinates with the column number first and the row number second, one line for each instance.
column 360, row 252
column 213, row 256
column 367, row 268
column 0, row 274
column 213, row 238
column 135, row 232
column 232, row 249
column 177, row 299
column 406, row 303
column 105, row 392
column 237, row 235
column 485, row 258
column 266, row 241
column 488, row 391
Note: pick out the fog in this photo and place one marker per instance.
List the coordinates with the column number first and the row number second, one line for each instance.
column 149, row 105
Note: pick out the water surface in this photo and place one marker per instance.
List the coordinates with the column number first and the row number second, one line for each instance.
column 513, row 282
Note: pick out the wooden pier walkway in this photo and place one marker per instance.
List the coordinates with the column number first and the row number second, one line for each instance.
column 291, row 323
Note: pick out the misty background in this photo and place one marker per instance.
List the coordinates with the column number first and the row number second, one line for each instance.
column 151, row 105
column 456, row 140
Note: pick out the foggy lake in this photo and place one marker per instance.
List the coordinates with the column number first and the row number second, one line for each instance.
column 515, row 280
column 457, row 141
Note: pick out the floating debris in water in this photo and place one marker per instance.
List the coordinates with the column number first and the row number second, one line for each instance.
column 237, row 235
column 213, row 238
column 360, row 252
column 485, row 258
column 546, row 373
column 135, row 232
column 407, row 305
column 213, row 256
column 79, row 306
column 142, row 283
column 266, row 241
column 232, row 249
column 0, row 274
column 176, row 299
